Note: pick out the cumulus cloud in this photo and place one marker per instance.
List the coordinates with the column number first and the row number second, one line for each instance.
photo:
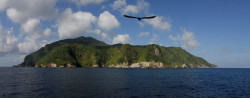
column 97, row 31
column 159, row 23
column 105, row 36
column 143, row 34
column 29, row 13
column 20, row 11
column 30, row 44
column 31, row 28
column 47, row 32
column 107, row 21
column 135, row 9
column 33, row 42
column 154, row 39
column 72, row 25
column 3, row 4
column 119, row 4
column 130, row 9
column 187, row 38
column 8, row 41
column 15, row 15
column 123, row 39
column 30, row 25
column 189, row 41
column 87, row 2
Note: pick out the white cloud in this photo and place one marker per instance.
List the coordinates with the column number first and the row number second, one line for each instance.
column 72, row 25
column 47, row 32
column 3, row 4
column 159, row 23
column 107, row 21
column 15, row 15
column 8, row 41
column 141, row 6
column 97, row 31
column 29, row 45
column 123, row 39
column 154, row 39
column 143, row 34
column 29, row 13
column 105, row 36
column 174, row 38
column 130, row 9
column 87, row 2
column 121, row 5
column 30, row 25
column 31, row 28
column 187, row 39
column 33, row 42
column 20, row 11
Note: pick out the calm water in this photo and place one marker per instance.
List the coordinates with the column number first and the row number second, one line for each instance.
column 109, row 82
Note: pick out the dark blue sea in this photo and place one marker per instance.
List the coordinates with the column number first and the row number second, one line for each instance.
column 111, row 82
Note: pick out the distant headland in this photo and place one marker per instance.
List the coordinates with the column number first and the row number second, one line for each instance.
column 89, row 52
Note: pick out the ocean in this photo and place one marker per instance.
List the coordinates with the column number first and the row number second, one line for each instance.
column 114, row 82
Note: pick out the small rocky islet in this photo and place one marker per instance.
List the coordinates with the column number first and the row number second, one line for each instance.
column 89, row 52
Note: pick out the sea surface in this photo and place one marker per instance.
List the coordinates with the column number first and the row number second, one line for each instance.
column 112, row 82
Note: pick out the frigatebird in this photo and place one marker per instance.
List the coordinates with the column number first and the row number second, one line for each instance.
column 139, row 18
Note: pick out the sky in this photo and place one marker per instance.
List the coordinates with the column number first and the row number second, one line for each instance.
column 216, row 30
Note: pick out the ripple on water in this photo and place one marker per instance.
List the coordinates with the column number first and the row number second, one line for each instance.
column 105, row 82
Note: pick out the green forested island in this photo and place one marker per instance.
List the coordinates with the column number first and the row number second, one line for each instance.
column 89, row 52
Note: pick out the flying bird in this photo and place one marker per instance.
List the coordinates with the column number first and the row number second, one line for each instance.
column 139, row 18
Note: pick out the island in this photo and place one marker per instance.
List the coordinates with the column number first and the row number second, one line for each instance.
column 89, row 52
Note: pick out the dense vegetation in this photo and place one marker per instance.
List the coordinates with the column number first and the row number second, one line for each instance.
column 87, row 51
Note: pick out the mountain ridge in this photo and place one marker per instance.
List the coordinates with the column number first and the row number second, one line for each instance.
column 89, row 52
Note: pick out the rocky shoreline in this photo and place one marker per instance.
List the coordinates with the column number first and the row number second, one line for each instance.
column 126, row 65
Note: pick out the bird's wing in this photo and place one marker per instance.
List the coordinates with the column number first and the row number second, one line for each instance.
column 148, row 17
column 129, row 16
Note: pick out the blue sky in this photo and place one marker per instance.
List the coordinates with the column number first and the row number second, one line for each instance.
column 216, row 30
